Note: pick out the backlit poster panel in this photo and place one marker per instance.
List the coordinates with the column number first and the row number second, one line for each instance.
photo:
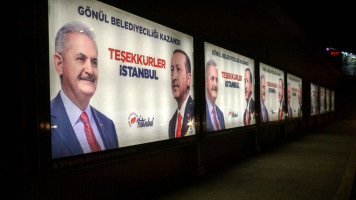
column 322, row 100
column 131, row 76
column 327, row 100
column 332, row 101
column 272, row 93
column 229, row 88
column 294, row 96
column 314, row 97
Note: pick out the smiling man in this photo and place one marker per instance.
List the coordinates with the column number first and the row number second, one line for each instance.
column 264, row 112
column 214, row 116
column 281, row 99
column 289, row 93
column 180, row 84
column 77, row 127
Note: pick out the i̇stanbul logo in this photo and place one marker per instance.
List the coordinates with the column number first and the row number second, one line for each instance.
column 139, row 121
column 232, row 113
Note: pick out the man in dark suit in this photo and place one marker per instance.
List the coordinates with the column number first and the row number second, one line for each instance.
column 281, row 99
column 64, row 140
column 250, row 108
column 300, row 100
column 290, row 112
column 264, row 112
column 77, row 127
column 181, row 123
column 214, row 116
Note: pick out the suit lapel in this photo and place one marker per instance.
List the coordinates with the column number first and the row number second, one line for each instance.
column 63, row 128
column 100, row 125
column 209, row 124
column 188, row 115
column 172, row 125
column 185, row 126
column 221, row 118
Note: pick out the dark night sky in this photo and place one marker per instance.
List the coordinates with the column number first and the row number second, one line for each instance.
column 327, row 23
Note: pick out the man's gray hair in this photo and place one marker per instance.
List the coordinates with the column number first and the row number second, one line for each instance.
column 262, row 77
column 210, row 62
column 71, row 27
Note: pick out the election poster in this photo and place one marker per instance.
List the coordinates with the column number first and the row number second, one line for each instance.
column 327, row 100
column 322, row 100
column 332, row 101
column 294, row 96
column 272, row 93
column 314, row 97
column 229, row 89
column 132, row 77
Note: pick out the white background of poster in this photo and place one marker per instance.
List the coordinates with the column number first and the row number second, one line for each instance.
column 294, row 81
column 314, row 97
column 230, row 98
column 322, row 99
column 117, row 96
column 272, row 76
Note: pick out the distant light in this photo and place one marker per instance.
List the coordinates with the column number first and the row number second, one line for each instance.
column 333, row 53
column 327, row 49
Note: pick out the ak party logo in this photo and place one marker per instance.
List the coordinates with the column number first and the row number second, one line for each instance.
column 139, row 121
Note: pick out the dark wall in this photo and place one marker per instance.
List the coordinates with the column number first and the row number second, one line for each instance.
column 346, row 99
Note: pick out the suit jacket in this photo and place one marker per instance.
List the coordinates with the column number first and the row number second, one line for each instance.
column 209, row 123
column 251, row 109
column 263, row 107
column 188, row 115
column 290, row 112
column 280, row 112
column 64, row 140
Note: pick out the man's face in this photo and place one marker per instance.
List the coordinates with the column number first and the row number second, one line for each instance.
column 280, row 90
column 180, row 78
column 248, row 85
column 289, row 93
column 263, row 90
column 79, row 69
column 211, row 83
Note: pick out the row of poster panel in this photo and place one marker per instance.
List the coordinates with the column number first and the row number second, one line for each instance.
column 118, row 80
column 322, row 100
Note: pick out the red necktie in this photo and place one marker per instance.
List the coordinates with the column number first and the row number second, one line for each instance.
column 215, row 120
column 89, row 133
column 280, row 113
column 247, row 122
column 179, row 126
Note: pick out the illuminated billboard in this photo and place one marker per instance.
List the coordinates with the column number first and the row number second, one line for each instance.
column 332, row 108
column 272, row 93
column 229, row 89
column 314, row 98
column 322, row 100
column 116, row 79
column 294, row 96
column 327, row 100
